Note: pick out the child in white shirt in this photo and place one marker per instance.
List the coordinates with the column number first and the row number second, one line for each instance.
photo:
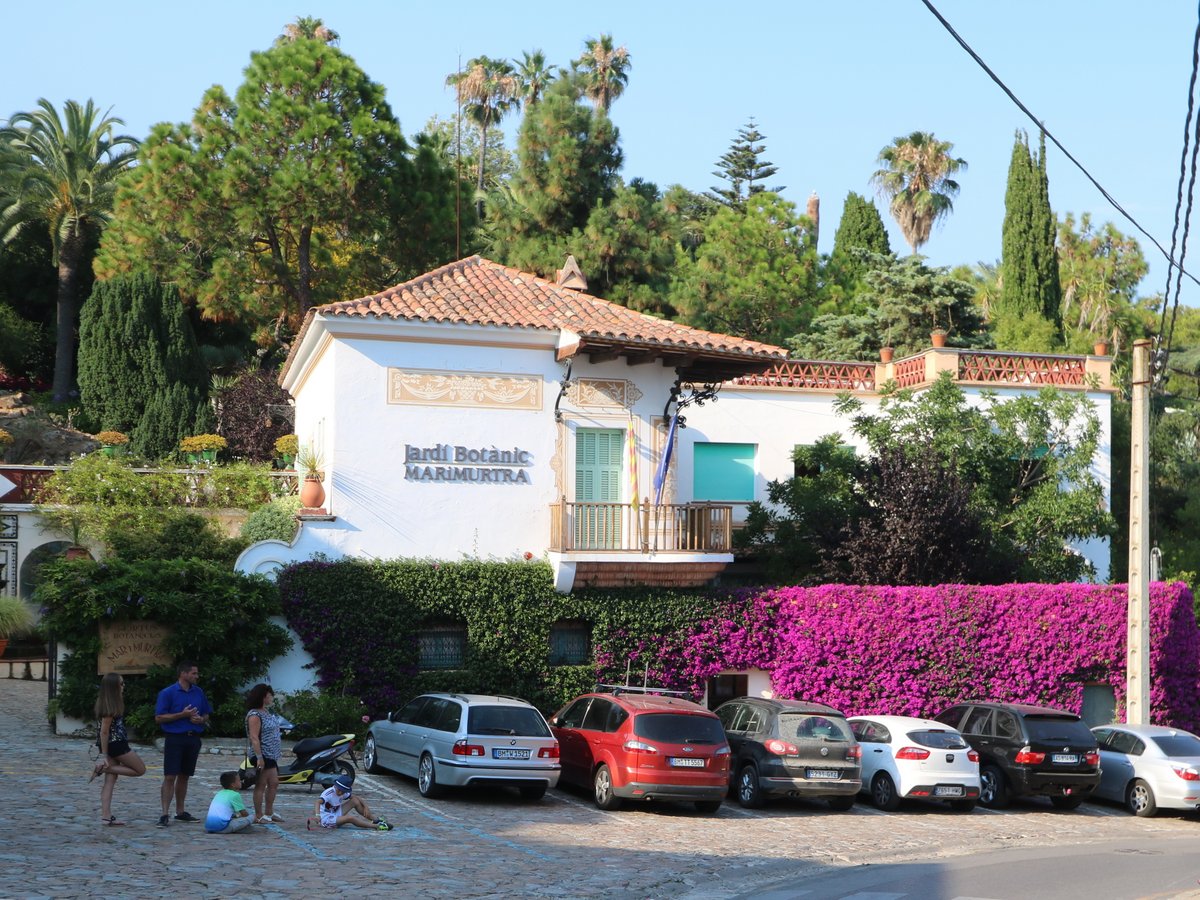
column 337, row 806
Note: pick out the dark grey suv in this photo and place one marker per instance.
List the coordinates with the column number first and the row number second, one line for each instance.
column 1028, row 751
column 790, row 748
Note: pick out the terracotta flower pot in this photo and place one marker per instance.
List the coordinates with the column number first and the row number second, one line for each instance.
column 938, row 338
column 885, row 354
column 1100, row 348
column 312, row 493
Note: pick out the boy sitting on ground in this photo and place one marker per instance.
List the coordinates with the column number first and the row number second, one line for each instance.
column 336, row 806
column 227, row 813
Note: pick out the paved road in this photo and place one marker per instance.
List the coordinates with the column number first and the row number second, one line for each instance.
column 479, row 844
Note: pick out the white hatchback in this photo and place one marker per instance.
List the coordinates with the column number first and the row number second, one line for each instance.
column 1149, row 766
column 908, row 758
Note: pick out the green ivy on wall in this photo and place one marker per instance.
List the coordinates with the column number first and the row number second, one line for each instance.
column 361, row 623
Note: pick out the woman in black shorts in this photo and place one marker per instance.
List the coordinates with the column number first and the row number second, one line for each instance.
column 262, row 730
column 116, row 758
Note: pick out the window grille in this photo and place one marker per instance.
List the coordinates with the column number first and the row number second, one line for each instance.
column 442, row 646
column 570, row 643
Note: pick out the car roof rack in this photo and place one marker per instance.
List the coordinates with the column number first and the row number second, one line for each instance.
column 645, row 688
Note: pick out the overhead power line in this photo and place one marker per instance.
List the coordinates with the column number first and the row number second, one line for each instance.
column 1107, row 196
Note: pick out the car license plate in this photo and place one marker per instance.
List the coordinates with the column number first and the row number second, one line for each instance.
column 827, row 774
column 688, row 762
column 1069, row 758
column 507, row 753
column 949, row 790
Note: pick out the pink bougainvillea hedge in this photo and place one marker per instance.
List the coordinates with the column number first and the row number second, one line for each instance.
column 914, row 651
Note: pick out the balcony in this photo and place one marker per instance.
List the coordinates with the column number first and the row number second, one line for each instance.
column 624, row 528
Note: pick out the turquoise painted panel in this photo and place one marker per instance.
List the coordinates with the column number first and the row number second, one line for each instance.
column 723, row 471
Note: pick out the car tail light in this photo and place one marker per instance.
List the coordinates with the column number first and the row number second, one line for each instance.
column 912, row 753
column 781, row 748
column 722, row 751
column 1028, row 757
column 548, row 752
column 1092, row 757
column 854, row 752
column 1187, row 773
column 462, row 748
column 640, row 745
column 972, row 756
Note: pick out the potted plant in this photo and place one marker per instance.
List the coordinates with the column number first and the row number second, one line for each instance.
column 310, row 464
column 111, row 442
column 15, row 617
column 202, row 447
column 287, row 447
column 938, row 337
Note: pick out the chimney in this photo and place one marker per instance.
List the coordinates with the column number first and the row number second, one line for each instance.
column 570, row 276
column 814, row 212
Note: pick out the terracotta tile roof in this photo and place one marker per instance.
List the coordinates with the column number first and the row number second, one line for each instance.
column 477, row 291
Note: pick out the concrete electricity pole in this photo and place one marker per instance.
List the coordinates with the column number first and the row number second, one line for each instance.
column 1137, row 662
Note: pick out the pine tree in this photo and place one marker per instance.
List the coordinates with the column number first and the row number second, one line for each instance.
column 1029, row 268
column 743, row 170
column 140, row 371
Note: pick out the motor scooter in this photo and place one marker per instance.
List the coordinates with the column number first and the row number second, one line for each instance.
column 316, row 760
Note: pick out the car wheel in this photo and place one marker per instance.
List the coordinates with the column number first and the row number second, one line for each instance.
column 1071, row 802
column 427, row 778
column 533, row 792
column 883, row 793
column 371, row 756
column 962, row 806
column 708, row 807
column 993, row 789
column 602, row 789
column 749, row 793
column 841, row 804
column 1140, row 799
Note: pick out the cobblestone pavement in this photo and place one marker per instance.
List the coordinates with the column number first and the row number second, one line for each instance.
column 476, row 844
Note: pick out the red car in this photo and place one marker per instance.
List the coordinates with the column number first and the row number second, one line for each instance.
column 626, row 745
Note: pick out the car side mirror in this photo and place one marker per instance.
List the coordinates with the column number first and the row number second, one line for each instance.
column 553, row 720
column 392, row 716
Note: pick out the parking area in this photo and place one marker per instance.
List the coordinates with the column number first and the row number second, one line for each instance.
column 479, row 843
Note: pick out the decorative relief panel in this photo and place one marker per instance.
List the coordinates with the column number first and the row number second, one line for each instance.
column 8, row 528
column 487, row 390
column 603, row 392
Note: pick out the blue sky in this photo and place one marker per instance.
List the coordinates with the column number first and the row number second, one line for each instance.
column 829, row 83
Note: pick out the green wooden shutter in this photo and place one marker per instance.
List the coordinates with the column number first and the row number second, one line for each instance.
column 599, row 464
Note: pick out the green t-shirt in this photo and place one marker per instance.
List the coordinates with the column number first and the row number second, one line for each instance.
column 224, row 807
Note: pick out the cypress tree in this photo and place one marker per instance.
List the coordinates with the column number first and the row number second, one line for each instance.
column 140, row 371
column 1029, row 267
column 861, row 228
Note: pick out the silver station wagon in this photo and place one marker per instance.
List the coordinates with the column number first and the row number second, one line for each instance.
column 458, row 740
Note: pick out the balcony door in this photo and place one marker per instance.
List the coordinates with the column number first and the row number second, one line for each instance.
column 599, row 463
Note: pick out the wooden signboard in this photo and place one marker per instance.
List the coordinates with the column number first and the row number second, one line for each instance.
column 131, row 648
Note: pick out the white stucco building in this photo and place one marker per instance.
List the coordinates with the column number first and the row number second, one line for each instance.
column 482, row 412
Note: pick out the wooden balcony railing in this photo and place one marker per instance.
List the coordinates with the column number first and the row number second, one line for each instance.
column 641, row 528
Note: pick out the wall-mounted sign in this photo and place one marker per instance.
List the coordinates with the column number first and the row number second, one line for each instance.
column 474, row 465
column 131, row 648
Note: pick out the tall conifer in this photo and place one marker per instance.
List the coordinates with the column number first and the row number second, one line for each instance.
column 1029, row 267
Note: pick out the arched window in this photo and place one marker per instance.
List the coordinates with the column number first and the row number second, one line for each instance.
column 570, row 642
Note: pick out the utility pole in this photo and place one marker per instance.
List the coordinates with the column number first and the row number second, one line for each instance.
column 1137, row 660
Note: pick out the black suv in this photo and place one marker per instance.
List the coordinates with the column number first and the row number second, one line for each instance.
column 790, row 748
column 1028, row 751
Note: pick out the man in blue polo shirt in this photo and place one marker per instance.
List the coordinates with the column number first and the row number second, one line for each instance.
column 182, row 712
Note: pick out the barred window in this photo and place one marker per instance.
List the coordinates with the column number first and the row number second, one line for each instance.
column 570, row 642
column 442, row 646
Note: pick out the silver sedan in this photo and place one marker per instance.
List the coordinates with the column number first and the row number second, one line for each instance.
column 1148, row 767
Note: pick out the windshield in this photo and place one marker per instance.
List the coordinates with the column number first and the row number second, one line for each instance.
column 1054, row 729
column 522, row 721
column 679, row 728
column 938, row 740
column 813, row 727
column 1178, row 744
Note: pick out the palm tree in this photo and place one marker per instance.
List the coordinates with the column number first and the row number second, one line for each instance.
column 307, row 27
column 604, row 69
column 535, row 76
column 915, row 178
column 62, row 172
column 488, row 89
